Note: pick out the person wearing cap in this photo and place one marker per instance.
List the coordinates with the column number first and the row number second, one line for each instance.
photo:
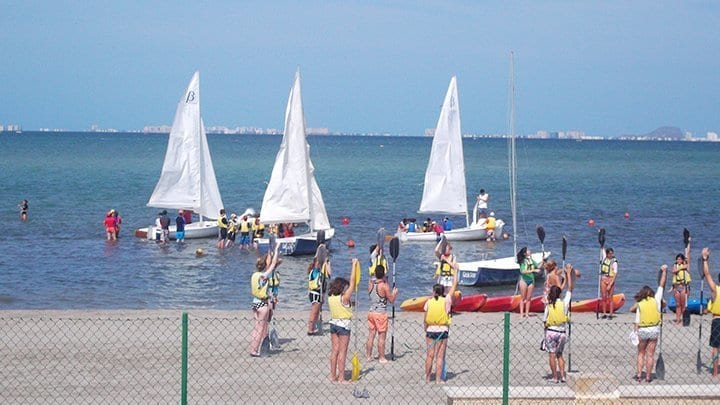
column 180, row 226
column 164, row 226
column 231, row 230
column 245, row 227
column 109, row 223
column 490, row 227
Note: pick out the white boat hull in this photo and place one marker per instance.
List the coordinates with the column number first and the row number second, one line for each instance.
column 304, row 244
column 501, row 271
column 473, row 232
column 195, row 230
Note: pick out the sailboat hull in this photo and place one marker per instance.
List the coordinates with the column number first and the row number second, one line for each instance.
column 299, row 245
column 461, row 234
column 195, row 230
column 504, row 271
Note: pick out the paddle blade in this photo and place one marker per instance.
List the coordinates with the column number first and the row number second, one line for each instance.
column 394, row 248
column 660, row 368
column 686, row 316
column 564, row 248
column 443, row 243
column 698, row 363
column 381, row 238
column 320, row 237
column 322, row 255
column 541, row 234
column 272, row 242
column 686, row 236
column 601, row 237
column 355, row 374
column 274, row 339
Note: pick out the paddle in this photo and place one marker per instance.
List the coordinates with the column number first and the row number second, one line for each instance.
column 601, row 240
column 355, row 374
column 699, row 364
column 569, row 341
column 320, row 237
column 394, row 251
column 660, row 364
column 541, row 235
column 686, row 312
column 322, row 255
column 273, row 335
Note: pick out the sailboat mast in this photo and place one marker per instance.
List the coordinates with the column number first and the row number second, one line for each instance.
column 513, row 160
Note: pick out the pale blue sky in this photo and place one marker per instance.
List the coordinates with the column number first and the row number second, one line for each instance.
column 606, row 68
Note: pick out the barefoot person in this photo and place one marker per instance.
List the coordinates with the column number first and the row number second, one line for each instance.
column 528, row 269
column 339, row 294
column 109, row 224
column 437, row 328
column 647, row 325
column 608, row 272
column 318, row 274
column 714, row 308
column 681, row 283
column 380, row 295
column 448, row 266
column 259, row 284
column 555, row 320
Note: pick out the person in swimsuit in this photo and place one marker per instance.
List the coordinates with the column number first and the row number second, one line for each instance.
column 681, row 283
column 713, row 307
column 339, row 295
column 259, row 284
column 608, row 271
column 109, row 224
column 380, row 295
column 23, row 209
column 437, row 328
column 647, row 325
column 118, row 222
column 528, row 269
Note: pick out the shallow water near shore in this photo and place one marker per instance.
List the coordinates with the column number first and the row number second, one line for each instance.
column 59, row 258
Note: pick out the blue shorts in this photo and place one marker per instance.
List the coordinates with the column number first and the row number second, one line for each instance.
column 180, row 235
column 340, row 331
column 244, row 239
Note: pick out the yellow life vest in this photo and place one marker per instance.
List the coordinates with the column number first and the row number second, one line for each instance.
column 316, row 278
column 490, row 223
column 714, row 306
column 337, row 309
column 436, row 314
column 258, row 287
column 649, row 314
column 379, row 260
column 606, row 267
column 222, row 222
column 258, row 228
column 274, row 280
column 556, row 314
column 244, row 226
column 444, row 269
column 682, row 276
column 231, row 226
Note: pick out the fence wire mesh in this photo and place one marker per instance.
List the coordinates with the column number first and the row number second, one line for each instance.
column 55, row 359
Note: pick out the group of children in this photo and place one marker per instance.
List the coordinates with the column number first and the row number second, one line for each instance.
column 248, row 227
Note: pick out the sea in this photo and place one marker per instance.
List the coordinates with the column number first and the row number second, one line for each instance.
column 642, row 193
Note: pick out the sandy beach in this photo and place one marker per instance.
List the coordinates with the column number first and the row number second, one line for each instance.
column 135, row 356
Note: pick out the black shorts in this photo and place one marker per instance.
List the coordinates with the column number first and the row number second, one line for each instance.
column 223, row 233
column 715, row 333
column 436, row 335
column 314, row 297
column 231, row 236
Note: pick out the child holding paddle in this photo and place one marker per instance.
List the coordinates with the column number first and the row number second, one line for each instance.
column 437, row 327
column 647, row 324
column 714, row 308
column 608, row 275
column 319, row 271
column 259, row 283
column 380, row 295
column 556, row 320
column 528, row 268
column 681, row 283
column 339, row 294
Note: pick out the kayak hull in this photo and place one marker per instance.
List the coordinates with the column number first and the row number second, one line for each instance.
column 470, row 303
column 501, row 304
column 693, row 306
column 417, row 304
column 536, row 305
column 591, row 305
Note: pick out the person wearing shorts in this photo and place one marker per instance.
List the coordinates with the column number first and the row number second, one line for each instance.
column 339, row 294
column 222, row 224
column 647, row 325
column 608, row 271
column 380, row 295
column 437, row 328
column 556, row 318
column 714, row 308
column 318, row 274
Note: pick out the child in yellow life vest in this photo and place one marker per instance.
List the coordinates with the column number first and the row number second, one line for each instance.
column 259, row 283
column 713, row 307
column 447, row 268
column 647, row 325
column 339, row 294
column 555, row 320
column 437, row 328
column 681, row 283
column 318, row 274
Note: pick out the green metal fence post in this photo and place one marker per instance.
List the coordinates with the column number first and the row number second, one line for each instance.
column 506, row 360
column 183, row 379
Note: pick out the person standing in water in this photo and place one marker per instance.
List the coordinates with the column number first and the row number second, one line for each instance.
column 23, row 209
column 180, row 227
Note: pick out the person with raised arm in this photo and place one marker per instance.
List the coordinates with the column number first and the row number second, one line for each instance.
column 259, row 283
column 556, row 320
column 681, row 283
column 437, row 328
column 528, row 268
column 713, row 307
column 647, row 307
column 339, row 294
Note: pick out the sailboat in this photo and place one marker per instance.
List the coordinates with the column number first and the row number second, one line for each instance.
column 187, row 180
column 444, row 191
column 501, row 271
column 292, row 195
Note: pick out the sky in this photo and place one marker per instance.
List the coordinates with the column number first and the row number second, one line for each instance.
column 603, row 67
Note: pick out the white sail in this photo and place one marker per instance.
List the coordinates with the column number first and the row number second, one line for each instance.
column 444, row 191
column 188, row 179
column 292, row 195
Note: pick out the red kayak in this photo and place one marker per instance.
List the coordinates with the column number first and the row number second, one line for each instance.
column 536, row 305
column 591, row 305
column 469, row 303
column 501, row 304
column 418, row 303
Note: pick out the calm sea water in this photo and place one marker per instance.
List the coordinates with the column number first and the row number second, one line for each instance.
column 59, row 258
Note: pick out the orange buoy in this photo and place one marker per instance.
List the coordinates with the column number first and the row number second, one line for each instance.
column 345, row 221
column 627, row 215
column 350, row 243
column 591, row 222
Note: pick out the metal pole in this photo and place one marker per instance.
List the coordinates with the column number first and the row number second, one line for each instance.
column 183, row 379
column 506, row 360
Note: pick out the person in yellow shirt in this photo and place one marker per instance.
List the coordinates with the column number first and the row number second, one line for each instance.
column 713, row 307
column 437, row 328
column 448, row 266
column 339, row 294
column 556, row 320
column 647, row 325
column 259, row 283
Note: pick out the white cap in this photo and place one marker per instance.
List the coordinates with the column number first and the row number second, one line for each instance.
column 492, row 213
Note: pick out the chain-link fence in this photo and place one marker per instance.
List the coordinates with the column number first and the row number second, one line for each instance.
column 131, row 359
